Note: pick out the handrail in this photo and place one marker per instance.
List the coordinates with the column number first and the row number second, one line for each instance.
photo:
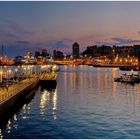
column 14, row 89
column 5, row 94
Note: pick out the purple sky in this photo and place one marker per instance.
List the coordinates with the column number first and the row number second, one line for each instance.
column 57, row 25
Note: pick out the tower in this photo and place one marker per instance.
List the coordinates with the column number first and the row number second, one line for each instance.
column 75, row 50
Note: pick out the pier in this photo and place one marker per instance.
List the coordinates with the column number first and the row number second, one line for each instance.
column 16, row 92
column 6, row 93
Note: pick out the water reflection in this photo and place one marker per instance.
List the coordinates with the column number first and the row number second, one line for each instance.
column 43, row 101
column 8, row 127
column 54, row 102
column 26, row 109
column 48, row 100
column 1, row 136
column 102, row 109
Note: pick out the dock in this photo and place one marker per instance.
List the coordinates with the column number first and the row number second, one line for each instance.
column 48, row 81
column 16, row 92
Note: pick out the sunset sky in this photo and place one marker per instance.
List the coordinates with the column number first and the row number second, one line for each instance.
column 57, row 25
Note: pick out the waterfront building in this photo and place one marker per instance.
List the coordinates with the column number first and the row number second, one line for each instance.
column 75, row 50
column 58, row 54
column 124, row 51
column 97, row 51
column 90, row 51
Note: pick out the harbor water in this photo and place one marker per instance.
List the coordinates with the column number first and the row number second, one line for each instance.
column 86, row 103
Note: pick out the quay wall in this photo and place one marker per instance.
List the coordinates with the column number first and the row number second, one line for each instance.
column 17, row 98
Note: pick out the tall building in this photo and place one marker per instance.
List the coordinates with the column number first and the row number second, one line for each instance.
column 75, row 49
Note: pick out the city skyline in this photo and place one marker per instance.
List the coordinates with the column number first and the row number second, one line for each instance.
column 57, row 25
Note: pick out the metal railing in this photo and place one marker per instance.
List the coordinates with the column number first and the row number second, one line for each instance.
column 6, row 93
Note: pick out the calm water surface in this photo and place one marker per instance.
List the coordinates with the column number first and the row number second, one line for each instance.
column 86, row 104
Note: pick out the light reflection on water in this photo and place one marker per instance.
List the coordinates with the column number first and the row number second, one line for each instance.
column 48, row 98
column 87, row 103
column 26, row 109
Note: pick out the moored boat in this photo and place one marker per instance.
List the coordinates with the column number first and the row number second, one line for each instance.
column 128, row 78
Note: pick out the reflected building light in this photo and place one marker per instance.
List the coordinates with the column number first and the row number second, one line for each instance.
column 81, row 76
column 15, row 125
column 65, row 80
column 74, row 80
column 8, row 127
column 114, row 72
column 1, row 136
column 65, row 67
column 54, row 102
column 138, row 87
column 43, row 102
column 106, row 80
column 26, row 109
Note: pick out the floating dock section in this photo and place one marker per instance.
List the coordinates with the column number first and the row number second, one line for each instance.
column 48, row 81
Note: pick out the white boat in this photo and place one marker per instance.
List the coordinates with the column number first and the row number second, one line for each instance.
column 128, row 78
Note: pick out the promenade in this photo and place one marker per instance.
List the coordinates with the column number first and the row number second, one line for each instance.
column 8, row 92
